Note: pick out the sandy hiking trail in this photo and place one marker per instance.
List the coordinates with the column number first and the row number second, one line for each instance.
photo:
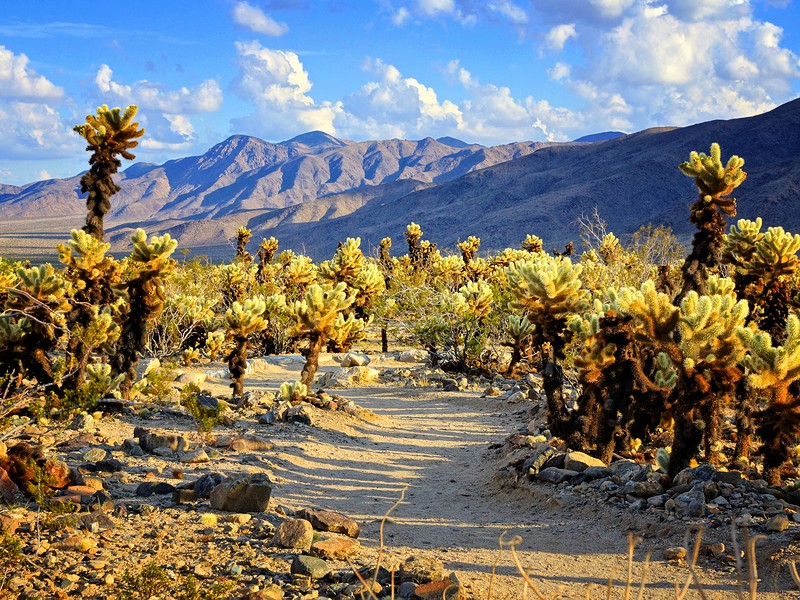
column 436, row 445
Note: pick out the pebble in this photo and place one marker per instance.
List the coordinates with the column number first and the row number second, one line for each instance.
column 779, row 522
column 312, row 567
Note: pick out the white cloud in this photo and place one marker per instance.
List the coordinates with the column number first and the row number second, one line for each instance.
column 559, row 35
column 400, row 17
column 277, row 84
column 43, row 174
column 255, row 19
column 559, row 71
column 509, row 11
column 149, row 95
column 433, row 7
column 33, row 130
column 19, row 82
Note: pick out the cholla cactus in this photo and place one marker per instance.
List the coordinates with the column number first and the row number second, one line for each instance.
column 773, row 370
column 739, row 244
column 346, row 263
column 715, row 183
column 266, row 252
column 243, row 235
column 236, row 282
column 533, row 243
column 145, row 292
column 298, row 273
column 242, row 321
column 100, row 374
column 293, row 392
column 547, row 291
column 385, row 257
column 110, row 134
column 315, row 320
column 33, row 322
column 520, row 329
column 190, row 355
column 478, row 298
column 215, row 340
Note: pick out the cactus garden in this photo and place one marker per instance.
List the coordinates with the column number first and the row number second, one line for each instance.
column 604, row 421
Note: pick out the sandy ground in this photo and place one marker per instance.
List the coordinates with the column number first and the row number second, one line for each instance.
column 441, row 448
column 435, row 445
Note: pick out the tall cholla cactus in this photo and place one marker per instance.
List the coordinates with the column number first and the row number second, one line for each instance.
column 111, row 133
column 547, row 291
column 243, row 235
column 92, row 276
column 773, row 371
column 242, row 321
column 145, row 293
column 350, row 266
column 763, row 266
column 317, row 318
column 297, row 274
column 469, row 249
column 33, row 321
column 266, row 252
column 215, row 340
column 715, row 183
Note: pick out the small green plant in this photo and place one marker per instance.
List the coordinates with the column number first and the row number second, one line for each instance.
column 293, row 392
column 10, row 558
column 205, row 417
column 148, row 581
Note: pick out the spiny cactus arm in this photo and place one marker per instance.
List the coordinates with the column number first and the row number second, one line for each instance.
column 714, row 180
column 38, row 287
column 773, row 366
column 347, row 330
column 243, row 319
column 739, row 244
column 775, row 255
column 533, row 243
column 113, row 129
column 520, row 327
column 653, row 312
column 293, row 392
column 156, row 248
column 547, row 285
column 479, row 298
column 708, row 329
column 316, row 313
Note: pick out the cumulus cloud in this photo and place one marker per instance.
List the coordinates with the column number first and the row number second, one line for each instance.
column 164, row 113
column 467, row 12
column 559, row 35
column 277, row 84
column 20, row 82
column 433, row 7
column 253, row 18
column 206, row 97
column 33, row 130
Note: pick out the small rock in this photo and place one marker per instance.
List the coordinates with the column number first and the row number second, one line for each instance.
column 300, row 414
column 645, row 489
column 294, row 533
column 82, row 422
column 150, row 441
column 517, row 397
column 246, row 494
column 555, row 475
column 9, row 492
column 194, row 457
column 310, row 566
column 421, row 569
column 690, row 504
column 101, row 501
column 76, row 543
column 676, row 553
column 354, row 359
column 717, row 550
column 353, row 376
column 335, row 548
column 95, row 454
column 438, row 590
column 580, row 461
column 450, row 385
column 132, row 447
column 8, row 525
column 110, row 465
column 779, row 522
column 414, row 355
column 203, row 570
column 333, row 522
column 148, row 488
column 203, row 486
column 491, row 392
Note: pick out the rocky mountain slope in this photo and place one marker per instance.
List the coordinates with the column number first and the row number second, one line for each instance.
column 314, row 190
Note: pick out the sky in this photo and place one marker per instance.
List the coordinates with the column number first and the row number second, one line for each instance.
column 489, row 72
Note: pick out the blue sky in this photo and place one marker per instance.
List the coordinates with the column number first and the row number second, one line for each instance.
column 491, row 71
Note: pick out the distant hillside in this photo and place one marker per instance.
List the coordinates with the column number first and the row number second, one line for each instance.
column 314, row 190
column 245, row 173
column 600, row 137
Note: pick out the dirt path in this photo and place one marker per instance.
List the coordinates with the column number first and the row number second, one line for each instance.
column 435, row 444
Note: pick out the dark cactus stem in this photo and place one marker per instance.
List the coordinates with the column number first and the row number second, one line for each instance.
column 384, row 340
column 688, row 429
column 778, row 426
column 237, row 365
column 133, row 336
column 100, row 186
column 745, row 408
column 706, row 247
column 553, row 383
column 311, row 354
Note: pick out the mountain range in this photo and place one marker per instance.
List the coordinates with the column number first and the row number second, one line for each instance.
column 314, row 190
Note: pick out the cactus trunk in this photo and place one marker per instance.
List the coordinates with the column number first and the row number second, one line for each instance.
column 237, row 365
column 315, row 344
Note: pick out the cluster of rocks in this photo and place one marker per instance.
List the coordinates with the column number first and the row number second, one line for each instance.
column 702, row 491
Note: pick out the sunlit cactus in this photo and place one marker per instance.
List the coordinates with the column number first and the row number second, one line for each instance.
column 145, row 292
column 715, row 183
column 293, row 392
column 267, row 250
column 533, row 243
column 100, row 375
column 773, row 370
column 520, row 329
column 242, row 321
column 346, row 263
column 243, row 235
column 109, row 134
column 739, row 244
column 215, row 340
column 385, row 257
column 298, row 273
column 547, row 290
column 478, row 298
column 315, row 320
